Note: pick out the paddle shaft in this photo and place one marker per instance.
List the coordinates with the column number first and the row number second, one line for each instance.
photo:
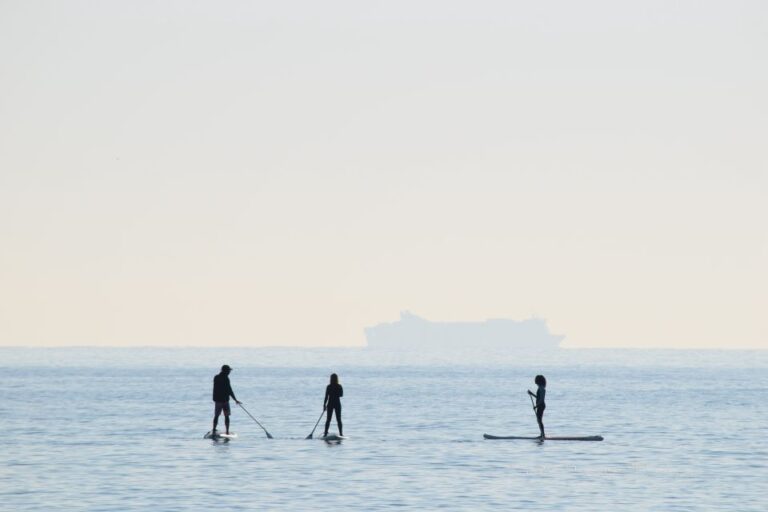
column 316, row 424
column 269, row 436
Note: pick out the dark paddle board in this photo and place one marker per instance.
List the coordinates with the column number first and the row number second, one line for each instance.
column 555, row 438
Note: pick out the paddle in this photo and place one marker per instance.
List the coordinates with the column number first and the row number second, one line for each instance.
column 269, row 436
column 316, row 424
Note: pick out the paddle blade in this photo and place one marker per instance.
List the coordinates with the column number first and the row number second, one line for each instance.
column 269, row 436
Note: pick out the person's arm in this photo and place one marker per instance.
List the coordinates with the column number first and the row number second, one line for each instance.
column 539, row 396
column 533, row 395
column 232, row 393
column 325, row 400
column 341, row 391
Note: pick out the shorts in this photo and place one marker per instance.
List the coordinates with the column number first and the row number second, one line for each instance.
column 222, row 406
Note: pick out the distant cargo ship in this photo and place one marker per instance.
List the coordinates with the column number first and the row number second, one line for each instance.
column 412, row 331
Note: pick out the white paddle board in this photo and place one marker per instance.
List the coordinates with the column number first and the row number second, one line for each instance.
column 332, row 437
column 220, row 435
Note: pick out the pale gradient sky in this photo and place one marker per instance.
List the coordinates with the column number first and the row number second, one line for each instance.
column 288, row 173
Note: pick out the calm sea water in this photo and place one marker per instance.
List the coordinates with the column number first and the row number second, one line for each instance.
column 121, row 429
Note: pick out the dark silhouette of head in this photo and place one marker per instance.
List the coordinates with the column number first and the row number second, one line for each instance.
column 334, row 378
column 540, row 381
column 226, row 369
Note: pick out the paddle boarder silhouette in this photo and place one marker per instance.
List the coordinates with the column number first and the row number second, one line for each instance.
column 541, row 382
column 332, row 403
column 222, row 390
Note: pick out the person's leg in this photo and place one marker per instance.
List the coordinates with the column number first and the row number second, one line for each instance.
column 227, row 412
column 540, row 419
column 338, row 418
column 328, row 419
column 216, row 413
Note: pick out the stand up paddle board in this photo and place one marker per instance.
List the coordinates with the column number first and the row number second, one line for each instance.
column 219, row 435
column 556, row 438
column 332, row 437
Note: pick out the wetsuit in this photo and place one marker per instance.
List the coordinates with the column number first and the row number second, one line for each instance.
column 332, row 402
column 540, row 406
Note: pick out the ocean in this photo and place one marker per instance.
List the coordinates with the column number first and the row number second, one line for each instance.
column 121, row 429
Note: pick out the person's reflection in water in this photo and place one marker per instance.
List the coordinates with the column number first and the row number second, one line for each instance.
column 332, row 402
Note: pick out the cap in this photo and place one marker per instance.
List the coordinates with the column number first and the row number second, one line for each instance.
column 226, row 368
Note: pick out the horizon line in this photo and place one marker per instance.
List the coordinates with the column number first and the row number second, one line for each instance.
column 451, row 349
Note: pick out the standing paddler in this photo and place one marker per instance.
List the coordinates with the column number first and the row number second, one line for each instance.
column 541, row 382
column 222, row 390
column 332, row 403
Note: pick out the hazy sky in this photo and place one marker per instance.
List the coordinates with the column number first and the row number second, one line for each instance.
column 282, row 173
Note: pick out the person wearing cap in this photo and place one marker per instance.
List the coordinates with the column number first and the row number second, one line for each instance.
column 222, row 390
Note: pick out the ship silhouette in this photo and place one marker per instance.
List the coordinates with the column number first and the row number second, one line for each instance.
column 412, row 331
